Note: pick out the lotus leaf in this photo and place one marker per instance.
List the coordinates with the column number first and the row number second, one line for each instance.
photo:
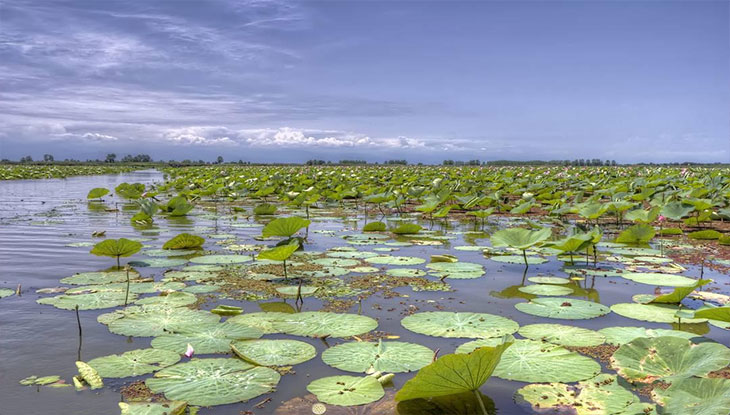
column 347, row 390
column 87, row 278
column 217, row 381
column 546, row 289
column 707, row 234
column 280, row 253
column 121, row 247
column 153, row 408
column 519, row 238
column 562, row 335
column 206, row 338
column 184, row 241
column 655, row 278
column 374, row 227
column 667, row 359
column 563, row 308
column 133, row 363
column 656, row 313
column 6, row 292
column 466, row 325
column 91, row 301
column 309, row 324
column 407, row 229
column 637, row 234
column 97, row 193
column 151, row 321
column 285, row 226
column 516, row 259
column 622, row 335
column 173, row 299
column 221, row 259
column 382, row 356
column 159, row 262
column 695, row 396
column 89, row 375
column 395, row 260
column 273, row 352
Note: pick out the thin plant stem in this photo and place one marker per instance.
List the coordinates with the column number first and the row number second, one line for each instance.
column 481, row 403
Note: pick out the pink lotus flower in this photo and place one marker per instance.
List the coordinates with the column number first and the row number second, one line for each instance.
column 661, row 218
column 189, row 351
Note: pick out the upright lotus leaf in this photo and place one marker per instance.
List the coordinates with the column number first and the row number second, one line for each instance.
column 148, row 207
column 133, row 363
column 116, row 248
column 519, row 238
column 676, row 210
column 537, row 361
column 458, row 404
column 679, row 293
column 622, row 335
column 285, row 226
column 374, row 227
column 454, row 373
column 705, row 235
column 268, row 352
column 153, row 408
column 592, row 210
column 636, row 234
column 563, row 308
column 407, row 229
column 178, row 206
column 466, row 325
column 130, row 191
column 97, row 193
column 206, row 338
column 695, row 396
column 562, row 335
column 184, row 241
column 715, row 315
column 667, row 359
column 347, row 390
column 572, row 243
column 89, row 375
column 643, row 216
column 264, row 209
column 598, row 396
column 150, row 321
column 381, row 356
column 218, row 381
column 279, row 253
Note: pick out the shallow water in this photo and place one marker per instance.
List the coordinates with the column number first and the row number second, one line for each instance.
column 38, row 218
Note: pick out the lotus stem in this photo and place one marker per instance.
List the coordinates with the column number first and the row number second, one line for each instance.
column 481, row 403
column 524, row 255
column 285, row 276
column 78, row 321
column 126, row 296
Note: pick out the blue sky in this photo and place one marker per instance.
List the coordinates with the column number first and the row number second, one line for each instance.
column 271, row 80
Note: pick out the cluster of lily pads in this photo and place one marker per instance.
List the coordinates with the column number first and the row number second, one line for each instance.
column 29, row 171
column 580, row 218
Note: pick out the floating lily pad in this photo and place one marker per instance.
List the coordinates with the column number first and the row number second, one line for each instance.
column 134, row 362
column 546, row 289
column 206, row 337
column 695, row 396
column 221, row 259
column 173, row 299
column 646, row 360
column 405, row 272
column 6, row 292
column 456, row 270
column 655, row 278
column 367, row 270
column 466, row 325
column 351, row 254
column 599, row 395
column 518, row 259
column 622, row 335
column 336, row 262
column 549, row 280
column 150, row 321
column 91, row 301
column 168, row 252
column 562, row 335
column 347, row 390
column 383, row 356
column 90, row 278
column 395, row 260
column 159, row 262
column 294, row 290
column 309, row 324
column 563, row 308
column 656, row 313
column 535, row 361
column 153, row 408
column 273, row 352
column 218, row 381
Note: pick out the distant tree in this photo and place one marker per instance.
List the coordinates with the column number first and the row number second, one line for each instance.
column 111, row 158
column 219, row 160
column 48, row 158
column 448, row 162
column 26, row 159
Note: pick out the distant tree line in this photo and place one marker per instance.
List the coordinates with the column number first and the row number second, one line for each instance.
column 461, row 163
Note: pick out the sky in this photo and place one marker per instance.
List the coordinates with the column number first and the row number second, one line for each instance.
column 286, row 81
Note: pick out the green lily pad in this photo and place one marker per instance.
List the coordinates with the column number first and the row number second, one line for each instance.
column 351, row 254
column 167, row 253
column 151, row 321
column 382, row 356
column 456, row 270
column 206, row 338
column 599, row 395
column 405, row 272
column 347, row 390
column 294, row 290
column 221, row 259
column 217, row 381
column 134, row 363
column 395, row 260
column 646, row 359
column 6, row 292
column 336, row 262
column 173, row 299
column 91, row 278
column 153, row 408
column 655, row 278
column 546, row 289
column 563, row 308
column 91, row 301
column 656, row 313
column 309, row 324
column 518, row 259
column 159, row 262
column 184, row 241
column 695, row 396
column 467, row 325
column 273, row 352
column 622, row 335
column 549, row 280
column 562, row 335
column 535, row 361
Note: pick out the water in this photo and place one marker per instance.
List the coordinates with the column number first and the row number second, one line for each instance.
column 38, row 218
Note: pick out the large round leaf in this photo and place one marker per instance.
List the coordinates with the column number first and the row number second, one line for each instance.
column 395, row 260
column 134, row 362
column 90, row 278
column 656, row 313
column 655, row 278
column 153, row 408
column 221, row 259
column 695, row 396
column 519, row 238
column 563, row 308
column 173, row 299
column 546, row 289
column 284, row 226
column 467, row 325
column 310, row 323
column 598, row 396
column 347, row 390
column 274, row 352
column 97, row 192
column 456, row 270
column 383, row 356
column 91, row 301
column 6, row 292
column 562, row 335
column 622, row 335
column 534, row 361
column 156, row 321
column 206, row 338
column 121, row 247
column 184, row 241
column 646, row 360
column 207, row 382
